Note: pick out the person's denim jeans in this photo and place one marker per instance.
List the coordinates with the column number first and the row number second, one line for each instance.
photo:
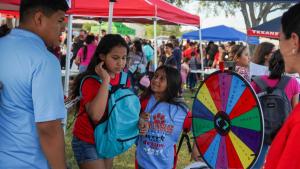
column 192, row 79
column 83, row 151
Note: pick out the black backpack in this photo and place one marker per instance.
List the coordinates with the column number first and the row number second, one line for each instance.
column 275, row 106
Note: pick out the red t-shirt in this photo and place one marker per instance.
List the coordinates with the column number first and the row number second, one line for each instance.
column 188, row 53
column 217, row 57
column 285, row 148
column 83, row 128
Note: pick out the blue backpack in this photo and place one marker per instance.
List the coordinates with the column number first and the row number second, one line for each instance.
column 119, row 132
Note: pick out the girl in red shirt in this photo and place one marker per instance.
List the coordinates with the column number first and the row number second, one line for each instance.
column 107, row 63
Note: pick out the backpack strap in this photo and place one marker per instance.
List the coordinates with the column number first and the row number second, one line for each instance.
column 122, row 82
column 87, row 77
column 281, row 85
column 123, row 78
column 260, row 83
column 283, row 82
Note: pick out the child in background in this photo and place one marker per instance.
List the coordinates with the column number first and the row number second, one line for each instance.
column 166, row 113
column 184, row 71
column 192, row 77
column 241, row 59
column 107, row 63
column 86, row 53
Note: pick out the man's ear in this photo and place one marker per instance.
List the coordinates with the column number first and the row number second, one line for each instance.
column 38, row 18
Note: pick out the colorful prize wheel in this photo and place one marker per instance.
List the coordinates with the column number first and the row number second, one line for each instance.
column 227, row 121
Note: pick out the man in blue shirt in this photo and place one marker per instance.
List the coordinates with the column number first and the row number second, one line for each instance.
column 148, row 51
column 31, row 98
column 177, row 53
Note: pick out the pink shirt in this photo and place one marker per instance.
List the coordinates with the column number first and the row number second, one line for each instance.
column 291, row 89
column 184, row 72
column 91, row 48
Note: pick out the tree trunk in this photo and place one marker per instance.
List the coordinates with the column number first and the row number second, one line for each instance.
column 245, row 15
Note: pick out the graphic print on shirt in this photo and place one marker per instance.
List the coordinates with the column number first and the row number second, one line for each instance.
column 154, row 141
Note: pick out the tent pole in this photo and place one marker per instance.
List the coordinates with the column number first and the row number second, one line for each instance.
column 16, row 22
column 67, row 67
column 69, row 45
column 155, row 42
column 201, row 50
column 110, row 15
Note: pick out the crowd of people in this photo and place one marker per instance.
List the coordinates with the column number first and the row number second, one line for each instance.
column 32, row 101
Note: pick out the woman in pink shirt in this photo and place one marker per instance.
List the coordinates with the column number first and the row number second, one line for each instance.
column 86, row 53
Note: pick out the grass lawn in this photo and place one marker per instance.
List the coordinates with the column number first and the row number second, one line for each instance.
column 126, row 160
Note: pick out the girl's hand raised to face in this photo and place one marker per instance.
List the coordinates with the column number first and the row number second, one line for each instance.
column 102, row 73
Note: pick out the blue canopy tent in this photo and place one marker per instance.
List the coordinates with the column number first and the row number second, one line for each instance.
column 272, row 25
column 220, row 33
column 268, row 29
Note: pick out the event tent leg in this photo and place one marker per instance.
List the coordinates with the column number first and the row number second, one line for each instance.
column 68, row 57
column 16, row 22
column 110, row 15
column 155, row 42
column 0, row 19
column 67, row 67
column 201, row 50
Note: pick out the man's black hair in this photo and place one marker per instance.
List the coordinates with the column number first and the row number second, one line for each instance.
column 48, row 7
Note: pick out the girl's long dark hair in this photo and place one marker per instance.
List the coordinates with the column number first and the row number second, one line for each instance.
column 276, row 65
column 173, row 84
column 138, row 47
column 89, row 39
column 107, row 43
column 238, row 49
column 261, row 51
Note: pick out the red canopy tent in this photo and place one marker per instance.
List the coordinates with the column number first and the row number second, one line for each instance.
column 9, row 14
column 9, row 8
column 12, row 2
column 138, row 11
column 171, row 13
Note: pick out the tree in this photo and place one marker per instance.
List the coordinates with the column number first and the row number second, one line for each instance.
column 253, row 12
column 87, row 26
column 165, row 30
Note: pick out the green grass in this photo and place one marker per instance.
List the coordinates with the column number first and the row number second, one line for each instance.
column 126, row 160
